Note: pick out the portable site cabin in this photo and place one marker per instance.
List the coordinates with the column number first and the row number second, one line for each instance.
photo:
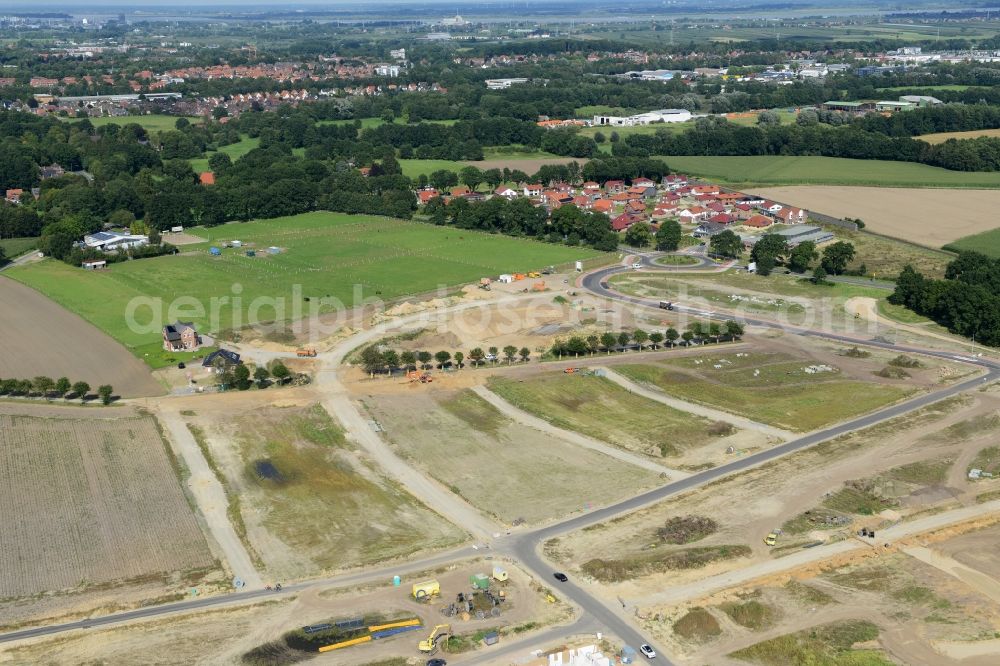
column 499, row 574
column 274, row 250
column 506, row 278
column 237, row 243
column 480, row 581
column 214, row 251
column 491, row 638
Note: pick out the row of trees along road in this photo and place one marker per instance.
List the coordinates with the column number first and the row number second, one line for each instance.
column 377, row 360
column 49, row 388
column 609, row 341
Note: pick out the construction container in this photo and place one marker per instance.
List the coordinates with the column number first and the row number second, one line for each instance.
column 500, row 574
column 237, row 243
column 491, row 638
column 480, row 581
column 274, row 250
column 426, row 590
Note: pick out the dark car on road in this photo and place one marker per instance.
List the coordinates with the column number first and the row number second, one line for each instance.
column 561, row 577
column 437, row 662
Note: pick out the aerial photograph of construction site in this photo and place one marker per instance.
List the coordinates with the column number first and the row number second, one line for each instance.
column 560, row 333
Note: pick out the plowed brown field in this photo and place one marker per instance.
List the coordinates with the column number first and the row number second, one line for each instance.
column 39, row 337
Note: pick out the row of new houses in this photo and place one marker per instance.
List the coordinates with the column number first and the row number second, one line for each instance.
column 644, row 200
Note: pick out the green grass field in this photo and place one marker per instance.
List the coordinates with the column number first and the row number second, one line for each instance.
column 782, row 170
column 343, row 257
column 152, row 123
column 987, row 242
column 951, row 87
column 781, row 394
column 413, row 168
column 15, row 247
column 234, row 150
column 600, row 408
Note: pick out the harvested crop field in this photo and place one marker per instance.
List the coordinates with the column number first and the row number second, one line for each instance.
column 941, row 137
column 495, row 463
column 309, row 503
column 41, row 338
column 930, row 217
column 88, row 501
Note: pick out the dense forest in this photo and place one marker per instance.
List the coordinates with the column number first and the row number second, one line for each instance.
column 966, row 302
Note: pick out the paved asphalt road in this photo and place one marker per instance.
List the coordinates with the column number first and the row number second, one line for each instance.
column 525, row 546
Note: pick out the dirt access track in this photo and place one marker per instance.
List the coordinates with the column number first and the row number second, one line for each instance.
column 930, row 217
column 39, row 337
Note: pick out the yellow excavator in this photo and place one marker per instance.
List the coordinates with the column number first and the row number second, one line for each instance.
column 430, row 644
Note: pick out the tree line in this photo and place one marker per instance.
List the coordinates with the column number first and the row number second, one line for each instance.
column 48, row 388
column 377, row 359
column 966, row 301
column 608, row 342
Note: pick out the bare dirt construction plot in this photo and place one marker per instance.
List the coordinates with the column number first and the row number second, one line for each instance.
column 41, row 338
column 504, row 468
column 224, row 636
column 91, row 504
column 746, row 507
column 931, row 217
column 308, row 502
column 788, row 385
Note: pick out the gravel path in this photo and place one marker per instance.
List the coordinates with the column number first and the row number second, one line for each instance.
column 211, row 499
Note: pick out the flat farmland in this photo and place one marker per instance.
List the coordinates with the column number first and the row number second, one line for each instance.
column 930, row 217
column 90, row 501
column 598, row 407
column 764, row 170
column 987, row 242
column 328, row 258
column 41, row 338
column 773, row 388
column 941, row 137
column 309, row 502
column 495, row 463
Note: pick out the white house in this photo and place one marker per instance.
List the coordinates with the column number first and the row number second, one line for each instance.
column 505, row 192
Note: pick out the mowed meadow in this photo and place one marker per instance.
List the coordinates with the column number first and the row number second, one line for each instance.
column 328, row 258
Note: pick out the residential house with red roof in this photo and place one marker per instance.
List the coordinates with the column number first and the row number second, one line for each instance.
column 603, row 206
column 758, row 221
column 614, row 186
column 426, row 195
column 791, row 215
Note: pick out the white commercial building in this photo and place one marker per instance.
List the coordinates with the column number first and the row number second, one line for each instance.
column 661, row 116
column 503, row 84
column 109, row 241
